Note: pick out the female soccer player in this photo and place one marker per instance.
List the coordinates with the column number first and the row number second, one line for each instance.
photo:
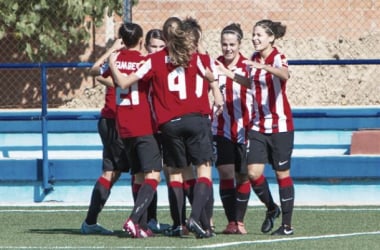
column 176, row 93
column 271, row 138
column 230, row 131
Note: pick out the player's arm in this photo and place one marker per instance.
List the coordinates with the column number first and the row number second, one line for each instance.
column 96, row 67
column 282, row 73
column 122, row 80
column 218, row 97
column 105, row 81
column 243, row 80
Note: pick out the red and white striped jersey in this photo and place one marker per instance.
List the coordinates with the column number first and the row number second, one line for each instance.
column 272, row 112
column 133, row 111
column 235, row 120
column 175, row 90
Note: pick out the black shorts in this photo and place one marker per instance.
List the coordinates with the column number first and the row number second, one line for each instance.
column 275, row 149
column 143, row 154
column 114, row 157
column 186, row 140
column 228, row 152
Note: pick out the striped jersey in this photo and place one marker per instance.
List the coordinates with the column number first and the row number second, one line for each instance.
column 272, row 112
column 235, row 120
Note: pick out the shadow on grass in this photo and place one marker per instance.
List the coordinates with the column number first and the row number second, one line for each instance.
column 72, row 231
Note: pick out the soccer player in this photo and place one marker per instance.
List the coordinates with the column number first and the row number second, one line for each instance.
column 114, row 158
column 271, row 138
column 176, row 92
column 230, row 131
column 141, row 144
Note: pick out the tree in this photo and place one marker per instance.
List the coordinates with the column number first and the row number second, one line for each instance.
column 46, row 27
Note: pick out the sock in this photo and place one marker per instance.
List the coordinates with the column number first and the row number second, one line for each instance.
column 243, row 192
column 135, row 188
column 188, row 189
column 286, row 188
column 100, row 194
column 152, row 209
column 207, row 213
column 176, row 199
column 202, row 191
column 144, row 198
column 227, row 194
column 261, row 188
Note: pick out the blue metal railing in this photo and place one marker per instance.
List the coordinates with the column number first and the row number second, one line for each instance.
column 46, row 183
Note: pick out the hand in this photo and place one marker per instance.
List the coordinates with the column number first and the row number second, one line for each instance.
column 117, row 45
column 218, row 110
column 222, row 70
column 253, row 64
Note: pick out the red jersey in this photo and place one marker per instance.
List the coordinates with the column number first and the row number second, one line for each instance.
column 174, row 88
column 235, row 121
column 109, row 109
column 134, row 116
column 271, row 107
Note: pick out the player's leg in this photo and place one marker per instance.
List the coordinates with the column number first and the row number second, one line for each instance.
column 256, row 158
column 282, row 150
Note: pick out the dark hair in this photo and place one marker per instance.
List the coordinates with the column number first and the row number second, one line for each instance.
column 154, row 34
column 233, row 28
column 178, row 42
column 130, row 33
column 192, row 27
column 275, row 29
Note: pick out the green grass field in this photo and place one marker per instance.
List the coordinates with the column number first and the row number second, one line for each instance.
column 57, row 227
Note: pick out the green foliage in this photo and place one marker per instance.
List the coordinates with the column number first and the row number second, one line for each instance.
column 50, row 27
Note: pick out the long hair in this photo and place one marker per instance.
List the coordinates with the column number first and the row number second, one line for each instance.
column 179, row 44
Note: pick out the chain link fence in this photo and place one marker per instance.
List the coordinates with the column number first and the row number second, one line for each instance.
column 316, row 29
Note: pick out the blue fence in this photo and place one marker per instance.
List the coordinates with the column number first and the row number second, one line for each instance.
column 45, row 122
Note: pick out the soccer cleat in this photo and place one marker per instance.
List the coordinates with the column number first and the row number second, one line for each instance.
column 240, row 228
column 283, row 230
column 94, row 229
column 174, row 232
column 195, row 228
column 185, row 231
column 269, row 219
column 146, row 233
column 231, row 228
column 134, row 230
column 209, row 234
column 157, row 227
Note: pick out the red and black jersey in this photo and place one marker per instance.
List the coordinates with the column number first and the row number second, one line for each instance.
column 133, row 111
column 175, row 89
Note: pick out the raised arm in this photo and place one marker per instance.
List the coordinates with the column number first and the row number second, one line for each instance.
column 96, row 67
column 105, row 81
column 121, row 79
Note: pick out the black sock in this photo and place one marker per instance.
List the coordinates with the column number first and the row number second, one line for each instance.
column 202, row 191
column 243, row 193
column 176, row 198
column 144, row 198
column 227, row 194
column 100, row 194
column 152, row 209
column 261, row 188
column 286, row 189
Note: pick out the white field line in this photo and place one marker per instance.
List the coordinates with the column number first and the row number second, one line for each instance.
column 328, row 236
column 221, row 245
